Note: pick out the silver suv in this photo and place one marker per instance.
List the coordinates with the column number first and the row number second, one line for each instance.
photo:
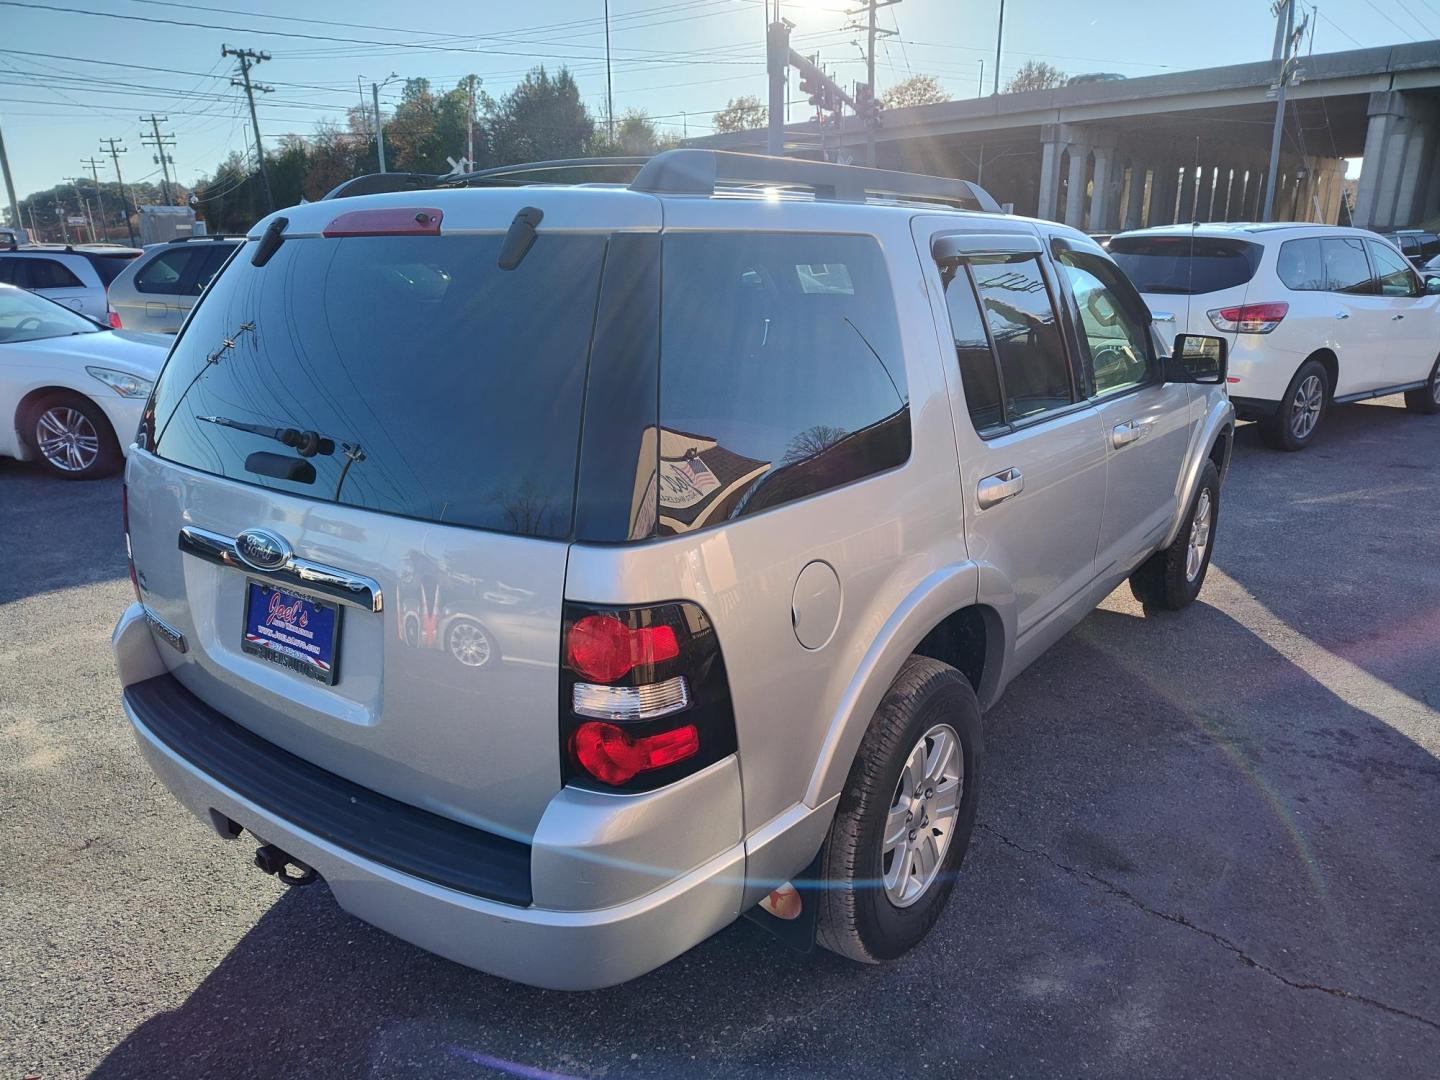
column 156, row 291
column 564, row 571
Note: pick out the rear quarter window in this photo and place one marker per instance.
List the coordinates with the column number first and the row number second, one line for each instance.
column 1185, row 265
column 1300, row 265
column 781, row 372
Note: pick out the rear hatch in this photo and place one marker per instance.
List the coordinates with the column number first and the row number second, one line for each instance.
column 404, row 415
column 1183, row 276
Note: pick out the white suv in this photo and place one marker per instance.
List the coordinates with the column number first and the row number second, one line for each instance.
column 1316, row 315
column 76, row 276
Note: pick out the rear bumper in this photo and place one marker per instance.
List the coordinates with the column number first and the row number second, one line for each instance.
column 584, row 848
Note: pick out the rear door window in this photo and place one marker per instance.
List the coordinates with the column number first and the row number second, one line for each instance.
column 1035, row 375
column 1346, row 268
column 438, row 386
column 781, row 372
column 165, row 273
column 1186, row 265
column 979, row 373
column 48, row 274
column 215, row 256
column 1394, row 274
column 1299, row 265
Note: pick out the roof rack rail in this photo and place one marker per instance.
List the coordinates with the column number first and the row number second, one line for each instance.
column 513, row 173
column 206, row 236
column 379, row 183
column 698, row 172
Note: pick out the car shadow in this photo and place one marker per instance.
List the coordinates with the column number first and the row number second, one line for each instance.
column 1180, row 869
column 56, row 533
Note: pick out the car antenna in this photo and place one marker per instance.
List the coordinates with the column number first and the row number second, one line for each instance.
column 226, row 344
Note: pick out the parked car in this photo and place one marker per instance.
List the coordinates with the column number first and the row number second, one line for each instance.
column 156, row 291
column 75, row 275
column 1315, row 315
column 1417, row 245
column 71, row 392
column 694, row 458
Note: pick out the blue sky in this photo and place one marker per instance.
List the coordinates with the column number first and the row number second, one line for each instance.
column 670, row 57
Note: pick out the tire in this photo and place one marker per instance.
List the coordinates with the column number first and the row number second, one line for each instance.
column 1426, row 400
column 1171, row 579
column 859, row 916
column 1306, row 402
column 72, row 438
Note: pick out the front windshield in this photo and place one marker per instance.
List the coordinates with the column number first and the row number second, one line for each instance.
column 27, row 317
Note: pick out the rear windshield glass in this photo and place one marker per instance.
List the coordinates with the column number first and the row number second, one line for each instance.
column 108, row 267
column 433, row 384
column 1185, row 265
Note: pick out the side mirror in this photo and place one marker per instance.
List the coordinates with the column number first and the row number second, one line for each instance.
column 1432, row 285
column 1198, row 358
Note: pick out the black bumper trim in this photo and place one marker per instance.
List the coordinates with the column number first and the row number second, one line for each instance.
column 373, row 826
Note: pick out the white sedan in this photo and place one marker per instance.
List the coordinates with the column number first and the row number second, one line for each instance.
column 71, row 392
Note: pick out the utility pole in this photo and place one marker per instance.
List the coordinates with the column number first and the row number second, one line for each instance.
column 999, row 37
column 1284, row 14
column 609, row 90
column 93, row 164
column 124, row 196
column 379, row 121
column 980, row 88
column 872, row 31
column 74, row 182
column 10, row 189
column 249, row 58
column 470, row 125
column 160, row 142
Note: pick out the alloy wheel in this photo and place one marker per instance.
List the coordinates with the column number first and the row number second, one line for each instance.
column 67, row 439
column 1305, row 408
column 469, row 645
column 923, row 811
column 1435, row 386
column 1199, row 536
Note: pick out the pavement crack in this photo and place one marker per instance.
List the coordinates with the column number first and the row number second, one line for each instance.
column 1130, row 898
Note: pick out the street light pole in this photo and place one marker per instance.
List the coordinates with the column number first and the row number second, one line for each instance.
column 999, row 37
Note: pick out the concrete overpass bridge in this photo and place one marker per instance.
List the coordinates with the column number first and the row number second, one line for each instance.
column 1186, row 146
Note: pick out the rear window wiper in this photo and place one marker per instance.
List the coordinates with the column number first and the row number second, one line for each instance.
column 306, row 443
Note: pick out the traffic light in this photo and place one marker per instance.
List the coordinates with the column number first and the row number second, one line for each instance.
column 813, row 88
column 866, row 107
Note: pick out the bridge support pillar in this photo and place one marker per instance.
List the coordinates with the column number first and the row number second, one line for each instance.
column 1135, row 204
column 1075, row 185
column 1386, row 140
column 1185, row 212
column 1109, row 172
column 1162, row 193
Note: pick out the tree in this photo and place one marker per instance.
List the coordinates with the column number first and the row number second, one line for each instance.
column 916, row 90
column 542, row 119
column 636, row 134
column 741, row 114
column 1035, row 75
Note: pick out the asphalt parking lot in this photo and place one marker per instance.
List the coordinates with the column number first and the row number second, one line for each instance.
column 1209, row 845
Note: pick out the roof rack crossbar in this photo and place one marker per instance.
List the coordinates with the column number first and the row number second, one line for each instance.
column 503, row 172
column 698, row 172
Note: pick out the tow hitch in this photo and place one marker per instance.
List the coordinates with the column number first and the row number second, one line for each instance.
column 274, row 861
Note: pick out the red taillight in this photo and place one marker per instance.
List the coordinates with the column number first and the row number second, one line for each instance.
column 400, row 221
column 125, row 525
column 114, row 317
column 611, row 754
column 1250, row 318
column 603, row 648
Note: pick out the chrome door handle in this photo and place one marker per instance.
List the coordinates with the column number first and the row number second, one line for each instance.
column 1394, row 317
column 999, row 487
column 1126, row 433
column 1342, row 314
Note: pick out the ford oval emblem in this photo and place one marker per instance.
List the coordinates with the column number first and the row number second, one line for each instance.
column 262, row 550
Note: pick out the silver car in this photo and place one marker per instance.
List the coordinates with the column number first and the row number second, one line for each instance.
column 156, row 291
column 758, row 479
